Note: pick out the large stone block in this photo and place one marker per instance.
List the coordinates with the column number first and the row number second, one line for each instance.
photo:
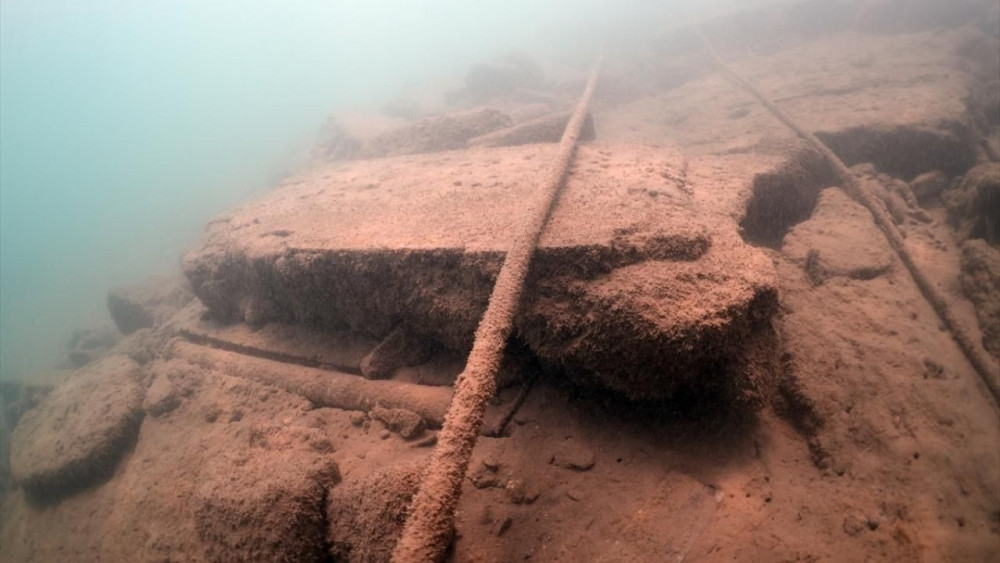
column 631, row 288
column 76, row 435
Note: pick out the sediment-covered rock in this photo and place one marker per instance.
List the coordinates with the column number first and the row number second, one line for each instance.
column 335, row 142
column 401, row 348
column 896, row 194
column 147, row 303
column 162, row 395
column 572, row 455
column 980, row 279
column 403, row 240
column 840, row 239
column 974, row 205
column 16, row 398
column 89, row 344
column 547, row 129
column 265, row 502
column 406, row 423
column 143, row 345
column 436, row 134
column 929, row 185
column 76, row 435
column 366, row 517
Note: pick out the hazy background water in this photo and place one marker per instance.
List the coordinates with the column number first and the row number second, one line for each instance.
column 125, row 125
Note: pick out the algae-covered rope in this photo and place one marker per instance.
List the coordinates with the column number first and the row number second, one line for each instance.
column 428, row 528
column 987, row 369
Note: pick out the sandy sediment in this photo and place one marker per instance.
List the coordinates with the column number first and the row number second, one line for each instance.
column 869, row 436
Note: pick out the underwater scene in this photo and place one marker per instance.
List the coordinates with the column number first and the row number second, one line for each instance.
column 594, row 281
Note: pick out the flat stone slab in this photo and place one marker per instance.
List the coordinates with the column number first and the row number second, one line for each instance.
column 77, row 434
column 844, row 230
column 896, row 101
column 632, row 287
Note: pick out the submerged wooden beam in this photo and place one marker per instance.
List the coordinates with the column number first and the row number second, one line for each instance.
column 324, row 387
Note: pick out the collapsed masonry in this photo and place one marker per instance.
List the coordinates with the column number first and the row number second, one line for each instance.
column 631, row 290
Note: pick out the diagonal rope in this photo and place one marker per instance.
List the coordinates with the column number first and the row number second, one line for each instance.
column 987, row 369
column 428, row 529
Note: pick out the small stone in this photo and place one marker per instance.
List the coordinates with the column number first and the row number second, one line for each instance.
column 504, row 524
column 521, row 420
column 161, row 397
column 406, row 423
column 491, row 463
column 384, row 435
column 519, row 493
column 486, row 516
column 575, row 494
column 212, row 413
column 428, row 442
column 321, row 445
column 573, row 455
column 485, row 480
column 933, row 369
column 853, row 525
column 400, row 348
column 358, row 418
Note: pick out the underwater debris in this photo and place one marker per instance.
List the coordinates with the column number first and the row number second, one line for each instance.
column 974, row 205
column 435, row 134
column 323, row 387
column 147, row 303
column 400, row 348
column 862, row 194
column 266, row 502
column 76, row 435
column 843, row 229
column 366, row 516
column 980, row 280
column 547, row 129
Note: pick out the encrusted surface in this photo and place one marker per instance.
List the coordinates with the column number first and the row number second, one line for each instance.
column 420, row 239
